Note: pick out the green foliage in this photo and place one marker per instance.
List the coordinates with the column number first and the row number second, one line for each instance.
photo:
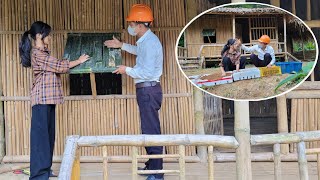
column 297, row 77
column 308, row 46
column 247, row 6
column 181, row 41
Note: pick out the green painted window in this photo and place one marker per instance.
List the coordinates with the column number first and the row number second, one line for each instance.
column 102, row 59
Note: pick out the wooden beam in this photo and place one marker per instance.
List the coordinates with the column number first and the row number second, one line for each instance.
column 303, row 94
column 313, row 23
column 275, row 3
column 93, row 85
column 199, row 117
column 282, row 120
column 308, row 10
column 294, row 7
column 242, row 134
column 210, row 163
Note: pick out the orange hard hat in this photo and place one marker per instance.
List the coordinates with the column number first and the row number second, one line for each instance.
column 140, row 13
column 264, row 39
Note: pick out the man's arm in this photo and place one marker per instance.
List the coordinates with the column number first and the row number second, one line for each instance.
column 248, row 49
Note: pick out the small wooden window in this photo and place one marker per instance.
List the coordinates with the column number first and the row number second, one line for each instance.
column 209, row 36
column 94, row 76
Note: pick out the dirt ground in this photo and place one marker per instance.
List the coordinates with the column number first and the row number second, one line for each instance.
column 246, row 89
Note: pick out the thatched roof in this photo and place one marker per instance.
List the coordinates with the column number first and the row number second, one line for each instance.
column 246, row 11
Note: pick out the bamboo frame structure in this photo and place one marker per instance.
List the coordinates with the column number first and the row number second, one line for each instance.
column 71, row 163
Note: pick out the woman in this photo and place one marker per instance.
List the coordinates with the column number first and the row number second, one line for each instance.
column 231, row 57
column 46, row 92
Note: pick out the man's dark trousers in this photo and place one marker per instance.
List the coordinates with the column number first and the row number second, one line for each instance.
column 149, row 102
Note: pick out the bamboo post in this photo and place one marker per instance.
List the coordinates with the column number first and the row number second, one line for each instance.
column 242, row 134
column 285, row 36
column 277, row 161
column 302, row 160
column 2, row 124
column 134, row 163
column 282, row 120
column 93, row 85
column 318, row 165
column 275, row 2
column 233, row 26
column 199, row 116
column 105, row 162
column 210, row 163
column 182, row 162
column 75, row 175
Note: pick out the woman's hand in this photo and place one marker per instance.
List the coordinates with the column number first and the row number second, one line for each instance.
column 83, row 58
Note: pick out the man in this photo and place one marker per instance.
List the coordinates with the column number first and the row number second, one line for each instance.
column 146, row 74
column 266, row 56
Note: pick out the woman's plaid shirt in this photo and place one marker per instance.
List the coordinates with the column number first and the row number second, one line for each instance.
column 46, row 85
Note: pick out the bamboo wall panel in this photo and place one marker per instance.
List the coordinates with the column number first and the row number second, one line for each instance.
column 96, row 117
column 194, row 38
column 90, row 117
column 305, row 116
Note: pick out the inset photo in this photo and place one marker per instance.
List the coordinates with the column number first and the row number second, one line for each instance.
column 248, row 51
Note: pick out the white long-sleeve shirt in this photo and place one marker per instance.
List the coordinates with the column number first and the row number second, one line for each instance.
column 261, row 52
column 149, row 61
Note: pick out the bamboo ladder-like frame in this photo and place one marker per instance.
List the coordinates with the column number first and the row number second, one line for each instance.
column 286, row 138
column 70, row 166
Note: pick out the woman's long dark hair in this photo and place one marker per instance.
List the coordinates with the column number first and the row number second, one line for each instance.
column 226, row 47
column 25, row 45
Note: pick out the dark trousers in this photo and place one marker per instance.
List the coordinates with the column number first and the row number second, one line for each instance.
column 42, row 138
column 149, row 102
column 229, row 66
column 261, row 63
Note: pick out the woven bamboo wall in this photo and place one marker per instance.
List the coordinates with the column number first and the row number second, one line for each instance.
column 110, row 115
column 223, row 26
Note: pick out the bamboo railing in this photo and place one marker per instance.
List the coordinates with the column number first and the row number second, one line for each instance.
column 70, row 166
column 285, row 138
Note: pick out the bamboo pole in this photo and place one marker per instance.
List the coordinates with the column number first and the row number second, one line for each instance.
column 105, row 162
column 282, row 120
column 134, row 163
column 242, row 134
column 318, row 166
column 75, row 174
column 156, row 140
column 182, row 162
column 198, row 116
column 277, row 161
column 285, row 36
column 210, row 163
column 302, row 160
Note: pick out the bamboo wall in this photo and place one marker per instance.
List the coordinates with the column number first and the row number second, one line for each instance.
column 222, row 25
column 111, row 114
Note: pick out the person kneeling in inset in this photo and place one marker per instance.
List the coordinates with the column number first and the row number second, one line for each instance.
column 231, row 57
column 265, row 57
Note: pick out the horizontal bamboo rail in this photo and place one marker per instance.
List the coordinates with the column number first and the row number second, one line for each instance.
column 70, row 166
column 285, row 138
column 317, row 152
column 90, row 97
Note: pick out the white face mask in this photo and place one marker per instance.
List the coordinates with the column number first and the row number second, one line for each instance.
column 131, row 31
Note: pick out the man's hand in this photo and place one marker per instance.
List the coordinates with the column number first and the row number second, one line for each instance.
column 269, row 66
column 114, row 43
column 121, row 70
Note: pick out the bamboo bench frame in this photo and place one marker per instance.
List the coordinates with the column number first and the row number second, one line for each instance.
column 70, row 166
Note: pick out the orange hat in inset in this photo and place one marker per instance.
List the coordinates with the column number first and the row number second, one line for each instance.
column 140, row 13
column 264, row 39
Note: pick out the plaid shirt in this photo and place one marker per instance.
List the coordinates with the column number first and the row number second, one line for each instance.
column 46, row 86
